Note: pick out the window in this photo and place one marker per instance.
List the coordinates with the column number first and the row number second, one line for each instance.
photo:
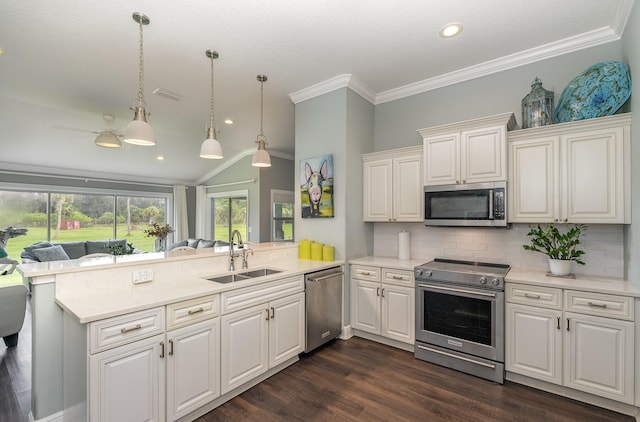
column 229, row 213
column 281, row 215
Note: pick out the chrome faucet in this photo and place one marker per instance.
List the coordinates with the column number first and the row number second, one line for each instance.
column 245, row 250
column 232, row 255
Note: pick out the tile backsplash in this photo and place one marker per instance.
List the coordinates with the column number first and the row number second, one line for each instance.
column 603, row 246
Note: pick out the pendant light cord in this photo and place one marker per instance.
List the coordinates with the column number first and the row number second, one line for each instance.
column 211, row 115
column 141, row 70
column 261, row 103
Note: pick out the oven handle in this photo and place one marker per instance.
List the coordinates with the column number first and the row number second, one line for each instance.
column 451, row 355
column 451, row 289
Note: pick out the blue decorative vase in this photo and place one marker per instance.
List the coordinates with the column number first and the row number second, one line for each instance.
column 598, row 91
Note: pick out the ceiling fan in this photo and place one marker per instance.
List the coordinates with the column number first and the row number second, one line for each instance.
column 107, row 138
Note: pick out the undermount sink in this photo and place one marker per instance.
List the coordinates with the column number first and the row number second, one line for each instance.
column 246, row 275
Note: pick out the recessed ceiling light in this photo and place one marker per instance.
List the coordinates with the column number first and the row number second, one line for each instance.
column 228, row 121
column 450, row 30
column 160, row 157
column 1, row 51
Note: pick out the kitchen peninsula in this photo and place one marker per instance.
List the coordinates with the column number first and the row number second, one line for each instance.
column 104, row 344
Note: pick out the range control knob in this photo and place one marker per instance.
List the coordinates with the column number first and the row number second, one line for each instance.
column 428, row 273
column 483, row 280
column 418, row 272
column 495, row 282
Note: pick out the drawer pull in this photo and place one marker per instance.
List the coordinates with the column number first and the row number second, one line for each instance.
column 365, row 273
column 397, row 277
column 531, row 296
column 195, row 311
column 127, row 329
column 597, row 305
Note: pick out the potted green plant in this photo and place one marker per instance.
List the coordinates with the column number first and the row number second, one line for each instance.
column 160, row 232
column 561, row 249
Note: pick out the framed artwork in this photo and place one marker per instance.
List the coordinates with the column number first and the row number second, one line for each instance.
column 316, row 184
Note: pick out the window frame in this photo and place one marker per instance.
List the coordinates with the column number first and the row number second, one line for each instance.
column 272, row 218
column 212, row 196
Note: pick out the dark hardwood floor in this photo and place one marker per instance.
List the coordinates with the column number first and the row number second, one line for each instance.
column 352, row 380
column 15, row 376
column 360, row 380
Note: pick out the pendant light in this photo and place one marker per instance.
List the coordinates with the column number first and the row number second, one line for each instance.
column 261, row 157
column 139, row 132
column 211, row 147
column 106, row 138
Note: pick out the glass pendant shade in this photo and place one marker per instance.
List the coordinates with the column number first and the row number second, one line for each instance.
column 108, row 140
column 139, row 132
column 261, row 157
column 211, row 148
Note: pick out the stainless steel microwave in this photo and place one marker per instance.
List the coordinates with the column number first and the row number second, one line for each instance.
column 466, row 205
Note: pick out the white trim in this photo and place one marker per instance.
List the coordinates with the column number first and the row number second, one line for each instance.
column 579, row 42
column 341, row 81
column 56, row 417
column 275, row 192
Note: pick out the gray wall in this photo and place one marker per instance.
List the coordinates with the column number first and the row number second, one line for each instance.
column 396, row 122
column 631, row 49
column 279, row 176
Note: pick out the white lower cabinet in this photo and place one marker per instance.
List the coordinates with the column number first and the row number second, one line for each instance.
column 127, row 383
column 569, row 342
column 383, row 308
column 261, row 337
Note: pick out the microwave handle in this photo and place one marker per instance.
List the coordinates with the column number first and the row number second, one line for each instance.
column 491, row 195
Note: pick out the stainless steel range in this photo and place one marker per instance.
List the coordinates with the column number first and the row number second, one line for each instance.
column 460, row 316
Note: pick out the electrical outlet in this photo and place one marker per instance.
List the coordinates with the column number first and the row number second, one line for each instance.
column 142, row 276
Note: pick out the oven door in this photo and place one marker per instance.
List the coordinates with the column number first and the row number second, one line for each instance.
column 461, row 318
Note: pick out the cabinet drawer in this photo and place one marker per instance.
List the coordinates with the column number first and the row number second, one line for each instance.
column 401, row 277
column 620, row 307
column 190, row 311
column 234, row 300
column 365, row 273
column 545, row 297
column 124, row 329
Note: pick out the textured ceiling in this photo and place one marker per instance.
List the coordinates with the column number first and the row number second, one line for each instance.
column 67, row 63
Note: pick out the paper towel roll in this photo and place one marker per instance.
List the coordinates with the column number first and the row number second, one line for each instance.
column 404, row 245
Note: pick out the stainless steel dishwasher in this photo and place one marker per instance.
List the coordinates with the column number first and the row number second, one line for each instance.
column 323, row 293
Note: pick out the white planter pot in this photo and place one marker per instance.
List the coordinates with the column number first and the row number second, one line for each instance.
column 560, row 266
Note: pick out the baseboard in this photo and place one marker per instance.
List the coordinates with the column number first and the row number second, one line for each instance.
column 384, row 340
column 347, row 333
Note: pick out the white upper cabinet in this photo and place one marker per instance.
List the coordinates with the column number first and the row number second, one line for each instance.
column 472, row 151
column 392, row 183
column 577, row 172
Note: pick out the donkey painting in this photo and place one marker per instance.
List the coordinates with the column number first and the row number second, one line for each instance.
column 5, row 261
column 314, row 181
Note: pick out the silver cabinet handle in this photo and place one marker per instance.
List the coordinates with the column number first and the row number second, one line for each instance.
column 127, row 329
column 597, row 305
column 383, row 292
column 195, row 311
column 558, row 326
column 531, row 296
column 397, row 277
column 450, row 289
column 161, row 349
column 377, row 291
column 567, row 324
column 267, row 318
column 341, row 273
column 365, row 273
column 273, row 313
column 171, row 347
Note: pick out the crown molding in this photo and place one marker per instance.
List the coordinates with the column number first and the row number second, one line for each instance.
column 554, row 49
column 341, row 81
column 621, row 15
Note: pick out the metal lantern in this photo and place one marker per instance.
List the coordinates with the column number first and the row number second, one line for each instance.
column 537, row 106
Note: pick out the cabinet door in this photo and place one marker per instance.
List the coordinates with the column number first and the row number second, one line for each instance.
column 244, row 346
column 534, row 342
column 286, row 328
column 377, row 190
column 365, row 305
column 127, row 383
column 594, row 174
column 193, row 367
column 398, row 313
column 483, row 155
column 408, row 189
column 442, row 159
column 534, row 180
column 598, row 356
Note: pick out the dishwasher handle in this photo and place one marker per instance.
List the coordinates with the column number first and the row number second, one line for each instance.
column 314, row 279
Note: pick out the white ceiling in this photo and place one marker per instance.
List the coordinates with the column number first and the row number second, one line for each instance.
column 67, row 63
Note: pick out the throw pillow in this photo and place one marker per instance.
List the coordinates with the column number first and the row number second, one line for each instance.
column 52, row 253
column 74, row 250
column 206, row 243
column 97, row 246
column 175, row 245
column 28, row 251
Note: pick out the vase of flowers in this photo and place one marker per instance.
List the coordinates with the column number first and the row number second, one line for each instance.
column 160, row 232
column 562, row 249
